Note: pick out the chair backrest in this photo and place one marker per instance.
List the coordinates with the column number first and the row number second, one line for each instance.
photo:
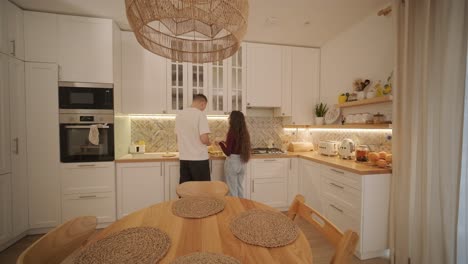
column 344, row 244
column 202, row 188
column 60, row 242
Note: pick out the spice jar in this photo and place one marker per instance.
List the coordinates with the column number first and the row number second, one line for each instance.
column 361, row 153
column 379, row 118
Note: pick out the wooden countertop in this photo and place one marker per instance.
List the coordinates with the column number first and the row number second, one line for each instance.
column 347, row 165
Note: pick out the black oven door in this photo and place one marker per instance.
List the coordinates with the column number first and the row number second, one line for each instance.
column 75, row 145
column 86, row 98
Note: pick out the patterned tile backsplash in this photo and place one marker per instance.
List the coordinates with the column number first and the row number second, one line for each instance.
column 159, row 134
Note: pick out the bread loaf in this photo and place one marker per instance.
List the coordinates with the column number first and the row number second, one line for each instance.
column 300, row 147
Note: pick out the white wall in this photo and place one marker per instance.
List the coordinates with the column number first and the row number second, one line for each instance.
column 366, row 50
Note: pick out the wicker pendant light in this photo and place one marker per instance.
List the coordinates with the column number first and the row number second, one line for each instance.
column 189, row 30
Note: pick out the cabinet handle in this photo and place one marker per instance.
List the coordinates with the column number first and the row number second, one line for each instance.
column 16, row 140
column 269, row 160
column 87, row 196
column 336, row 185
column 290, row 164
column 13, row 45
column 252, row 187
column 336, row 208
column 87, row 165
column 248, row 103
column 282, row 113
column 164, row 111
column 337, row 171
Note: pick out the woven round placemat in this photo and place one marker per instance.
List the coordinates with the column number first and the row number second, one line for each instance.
column 264, row 228
column 136, row 245
column 197, row 207
column 205, row 258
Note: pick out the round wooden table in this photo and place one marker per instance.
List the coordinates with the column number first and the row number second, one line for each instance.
column 210, row 234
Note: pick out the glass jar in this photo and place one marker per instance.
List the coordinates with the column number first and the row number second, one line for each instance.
column 361, row 153
column 379, row 118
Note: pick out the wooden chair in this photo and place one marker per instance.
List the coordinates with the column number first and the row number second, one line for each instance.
column 60, row 242
column 344, row 244
column 202, row 189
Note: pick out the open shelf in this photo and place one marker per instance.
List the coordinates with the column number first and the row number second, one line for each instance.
column 346, row 126
column 375, row 100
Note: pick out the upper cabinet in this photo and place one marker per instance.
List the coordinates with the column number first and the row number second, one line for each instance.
column 40, row 36
column 143, row 78
column 15, row 31
column 300, row 89
column 264, row 75
column 223, row 83
column 5, row 156
column 304, row 84
column 85, row 49
column 3, row 27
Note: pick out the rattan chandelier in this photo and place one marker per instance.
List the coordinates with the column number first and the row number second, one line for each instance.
column 189, row 30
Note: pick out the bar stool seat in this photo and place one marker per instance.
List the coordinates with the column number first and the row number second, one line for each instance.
column 202, row 189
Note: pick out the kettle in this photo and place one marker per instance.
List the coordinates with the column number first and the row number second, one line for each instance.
column 347, row 149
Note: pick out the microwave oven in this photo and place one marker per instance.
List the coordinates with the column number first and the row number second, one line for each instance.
column 76, row 95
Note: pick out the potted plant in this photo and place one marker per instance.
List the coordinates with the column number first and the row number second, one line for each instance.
column 320, row 111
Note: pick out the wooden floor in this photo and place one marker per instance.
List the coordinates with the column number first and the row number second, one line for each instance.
column 322, row 251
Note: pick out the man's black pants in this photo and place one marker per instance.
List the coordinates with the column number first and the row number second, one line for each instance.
column 194, row 170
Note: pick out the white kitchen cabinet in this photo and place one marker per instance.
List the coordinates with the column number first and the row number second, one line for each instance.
column 286, row 93
column 177, row 91
column 88, row 189
column 217, row 170
column 143, row 78
column 43, row 144
column 15, row 31
column 218, row 88
column 197, row 82
column 18, row 147
column 269, row 181
column 304, row 79
column 293, row 179
column 139, row 185
column 264, row 75
column 40, row 37
column 310, row 184
column 237, row 81
column 350, row 201
column 172, row 175
column 3, row 27
column 85, row 49
column 5, row 162
column 6, row 229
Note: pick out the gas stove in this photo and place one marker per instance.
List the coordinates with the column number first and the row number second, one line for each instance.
column 267, row 151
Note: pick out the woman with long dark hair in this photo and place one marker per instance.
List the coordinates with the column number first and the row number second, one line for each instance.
column 237, row 151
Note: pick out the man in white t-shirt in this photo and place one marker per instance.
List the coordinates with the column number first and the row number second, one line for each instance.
column 192, row 131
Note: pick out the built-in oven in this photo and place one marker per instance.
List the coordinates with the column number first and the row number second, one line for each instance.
column 76, row 95
column 86, row 136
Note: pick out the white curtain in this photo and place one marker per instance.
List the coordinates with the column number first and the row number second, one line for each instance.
column 428, row 129
column 462, row 241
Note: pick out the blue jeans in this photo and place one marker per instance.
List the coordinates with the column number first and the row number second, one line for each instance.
column 234, row 170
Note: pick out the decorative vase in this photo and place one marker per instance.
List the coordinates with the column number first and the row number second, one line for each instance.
column 319, row 121
column 342, row 99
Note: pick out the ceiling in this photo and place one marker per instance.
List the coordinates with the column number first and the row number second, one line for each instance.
column 294, row 22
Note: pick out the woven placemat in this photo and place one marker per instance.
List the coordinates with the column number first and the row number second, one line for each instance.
column 264, row 228
column 197, row 207
column 136, row 245
column 205, row 258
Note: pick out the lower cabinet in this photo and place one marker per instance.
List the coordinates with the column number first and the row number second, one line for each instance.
column 172, row 175
column 6, row 229
column 309, row 184
column 217, row 170
column 88, row 189
column 269, row 181
column 139, row 185
column 350, row 201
